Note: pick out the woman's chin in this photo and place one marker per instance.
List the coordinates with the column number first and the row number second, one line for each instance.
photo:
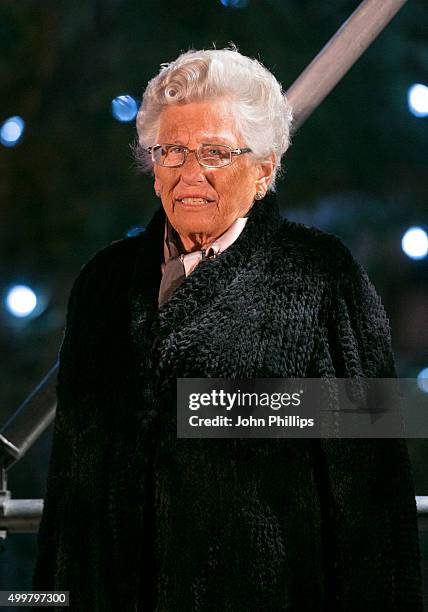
column 201, row 224
column 197, row 230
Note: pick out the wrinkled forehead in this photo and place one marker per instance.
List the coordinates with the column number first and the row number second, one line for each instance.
column 185, row 136
column 195, row 123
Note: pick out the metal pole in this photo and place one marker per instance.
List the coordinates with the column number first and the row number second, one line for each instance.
column 30, row 420
column 21, row 516
column 339, row 54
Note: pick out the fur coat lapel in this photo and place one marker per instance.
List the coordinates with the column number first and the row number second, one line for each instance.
column 215, row 297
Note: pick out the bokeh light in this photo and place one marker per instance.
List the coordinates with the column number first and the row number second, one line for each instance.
column 11, row 131
column 415, row 243
column 417, row 100
column 124, row 108
column 422, row 379
column 21, row 301
column 235, row 3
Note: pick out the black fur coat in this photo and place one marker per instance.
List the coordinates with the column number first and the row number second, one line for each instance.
column 136, row 519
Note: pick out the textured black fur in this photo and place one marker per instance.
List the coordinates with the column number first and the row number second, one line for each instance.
column 135, row 518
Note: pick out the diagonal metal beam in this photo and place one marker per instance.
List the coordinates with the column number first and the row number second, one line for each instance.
column 338, row 56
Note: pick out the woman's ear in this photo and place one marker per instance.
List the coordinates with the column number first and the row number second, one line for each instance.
column 157, row 187
column 265, row 171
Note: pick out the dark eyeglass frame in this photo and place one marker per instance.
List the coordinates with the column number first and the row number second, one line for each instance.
column 186, row 151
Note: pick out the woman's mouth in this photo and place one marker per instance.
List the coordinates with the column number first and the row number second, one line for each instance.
column 194, row 201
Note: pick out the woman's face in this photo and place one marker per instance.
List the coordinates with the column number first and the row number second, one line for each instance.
column 230, row 190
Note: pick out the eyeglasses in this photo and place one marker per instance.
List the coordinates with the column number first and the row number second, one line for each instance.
column 208, row 155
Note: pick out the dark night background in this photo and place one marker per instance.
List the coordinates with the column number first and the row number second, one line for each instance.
column 357, row 168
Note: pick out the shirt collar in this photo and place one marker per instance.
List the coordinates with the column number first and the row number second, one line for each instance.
column 173, row 247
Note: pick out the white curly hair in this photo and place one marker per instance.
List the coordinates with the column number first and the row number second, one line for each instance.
column 262, row 113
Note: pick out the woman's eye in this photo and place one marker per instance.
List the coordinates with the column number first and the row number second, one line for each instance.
column 176, row 149
column 214, row 152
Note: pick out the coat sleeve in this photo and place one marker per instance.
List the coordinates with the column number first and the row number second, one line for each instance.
column 359, row 335
column 49, row 572
column 372, row 518
column 68, row 551
column 56, row 531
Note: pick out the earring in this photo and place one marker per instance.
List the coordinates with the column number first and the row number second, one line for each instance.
column 157, row 194
column 260, row 195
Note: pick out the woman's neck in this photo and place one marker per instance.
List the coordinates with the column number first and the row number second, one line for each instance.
column 196, row 242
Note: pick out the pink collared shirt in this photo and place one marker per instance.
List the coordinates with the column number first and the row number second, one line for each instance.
column 191, row 260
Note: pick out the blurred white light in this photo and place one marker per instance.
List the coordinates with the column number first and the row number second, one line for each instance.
column 124, row 108
column 415, row 243
column 422, row 379
column 21, row 301
column 417, row 100
column 11, row 131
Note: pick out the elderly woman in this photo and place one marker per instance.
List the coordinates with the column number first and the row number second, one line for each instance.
column 220, row 286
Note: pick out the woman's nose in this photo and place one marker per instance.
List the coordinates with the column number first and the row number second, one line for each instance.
column 192, row 169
